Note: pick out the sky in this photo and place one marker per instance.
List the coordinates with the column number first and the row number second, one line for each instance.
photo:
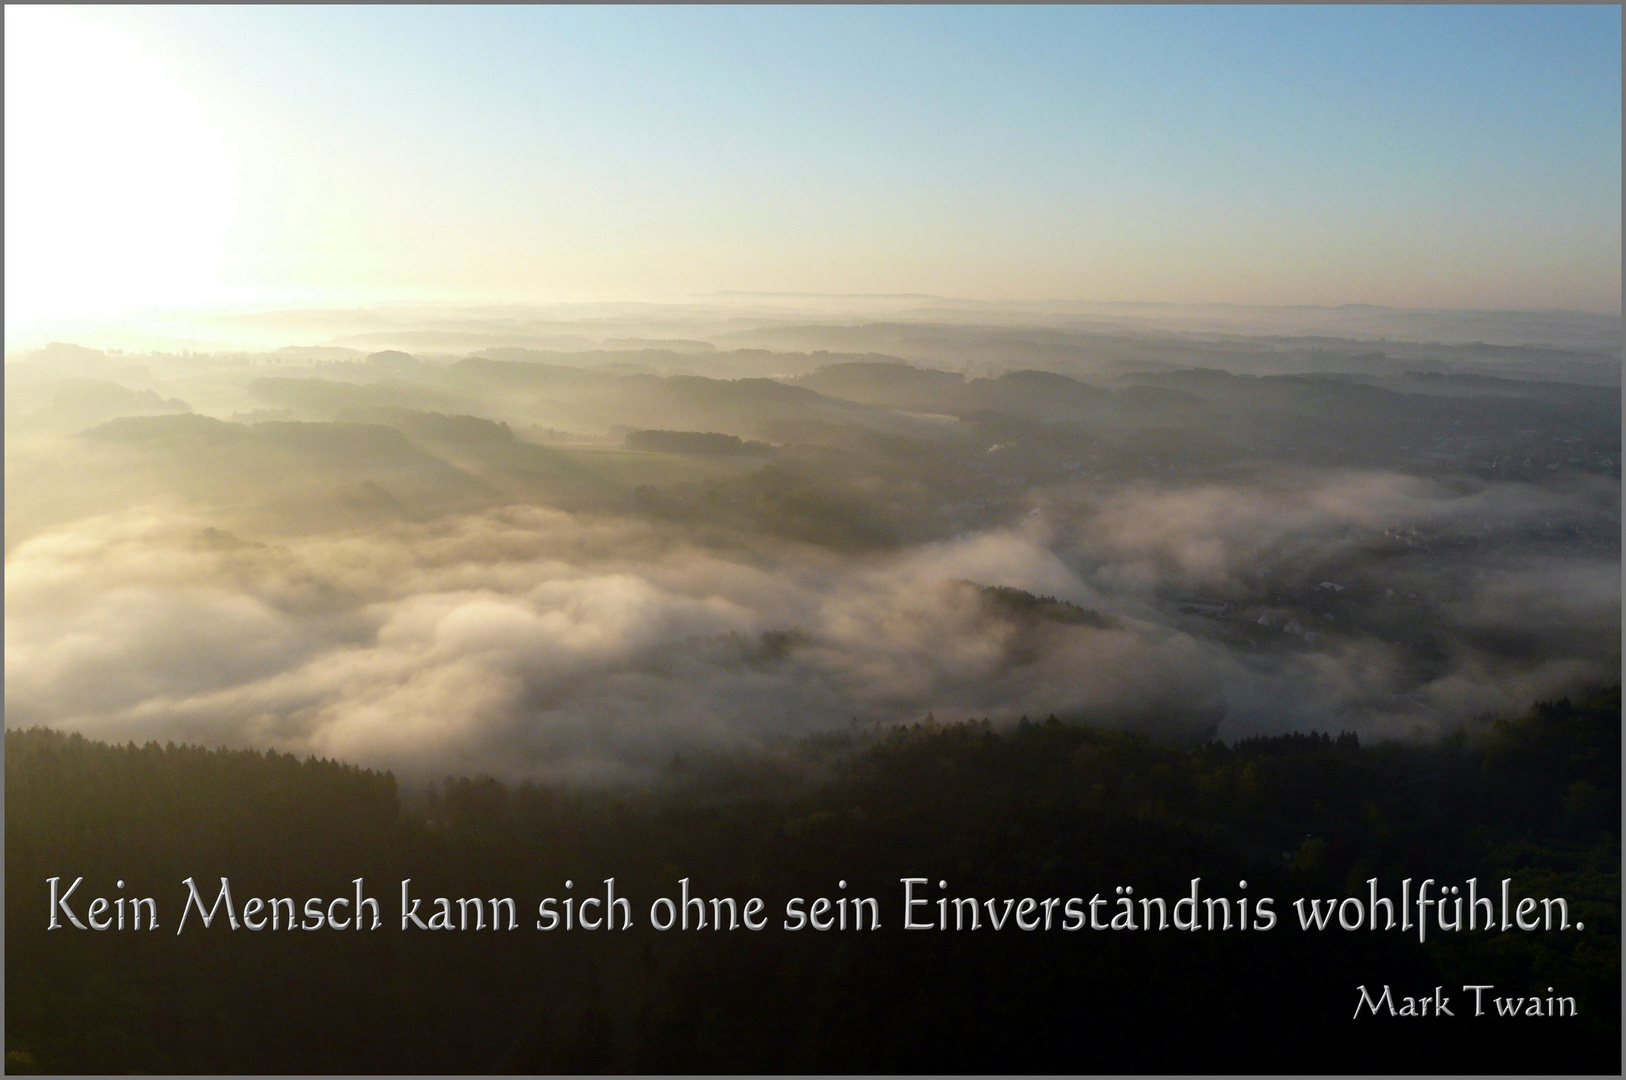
column 1463, row 157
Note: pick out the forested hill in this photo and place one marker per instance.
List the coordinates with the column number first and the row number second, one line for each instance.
column 1041, row 810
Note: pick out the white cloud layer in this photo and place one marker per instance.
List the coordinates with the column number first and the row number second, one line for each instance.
column 528, row 641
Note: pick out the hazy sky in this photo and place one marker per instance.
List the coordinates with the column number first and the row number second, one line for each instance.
column 1451, row 156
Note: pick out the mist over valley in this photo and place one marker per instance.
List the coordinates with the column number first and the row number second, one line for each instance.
column 580, row 543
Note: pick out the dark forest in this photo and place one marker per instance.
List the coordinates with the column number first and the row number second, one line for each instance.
column 1041, row 809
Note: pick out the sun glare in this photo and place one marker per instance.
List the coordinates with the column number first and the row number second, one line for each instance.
column 120, row 192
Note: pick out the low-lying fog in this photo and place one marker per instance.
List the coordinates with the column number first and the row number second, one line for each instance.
column 682, row 530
